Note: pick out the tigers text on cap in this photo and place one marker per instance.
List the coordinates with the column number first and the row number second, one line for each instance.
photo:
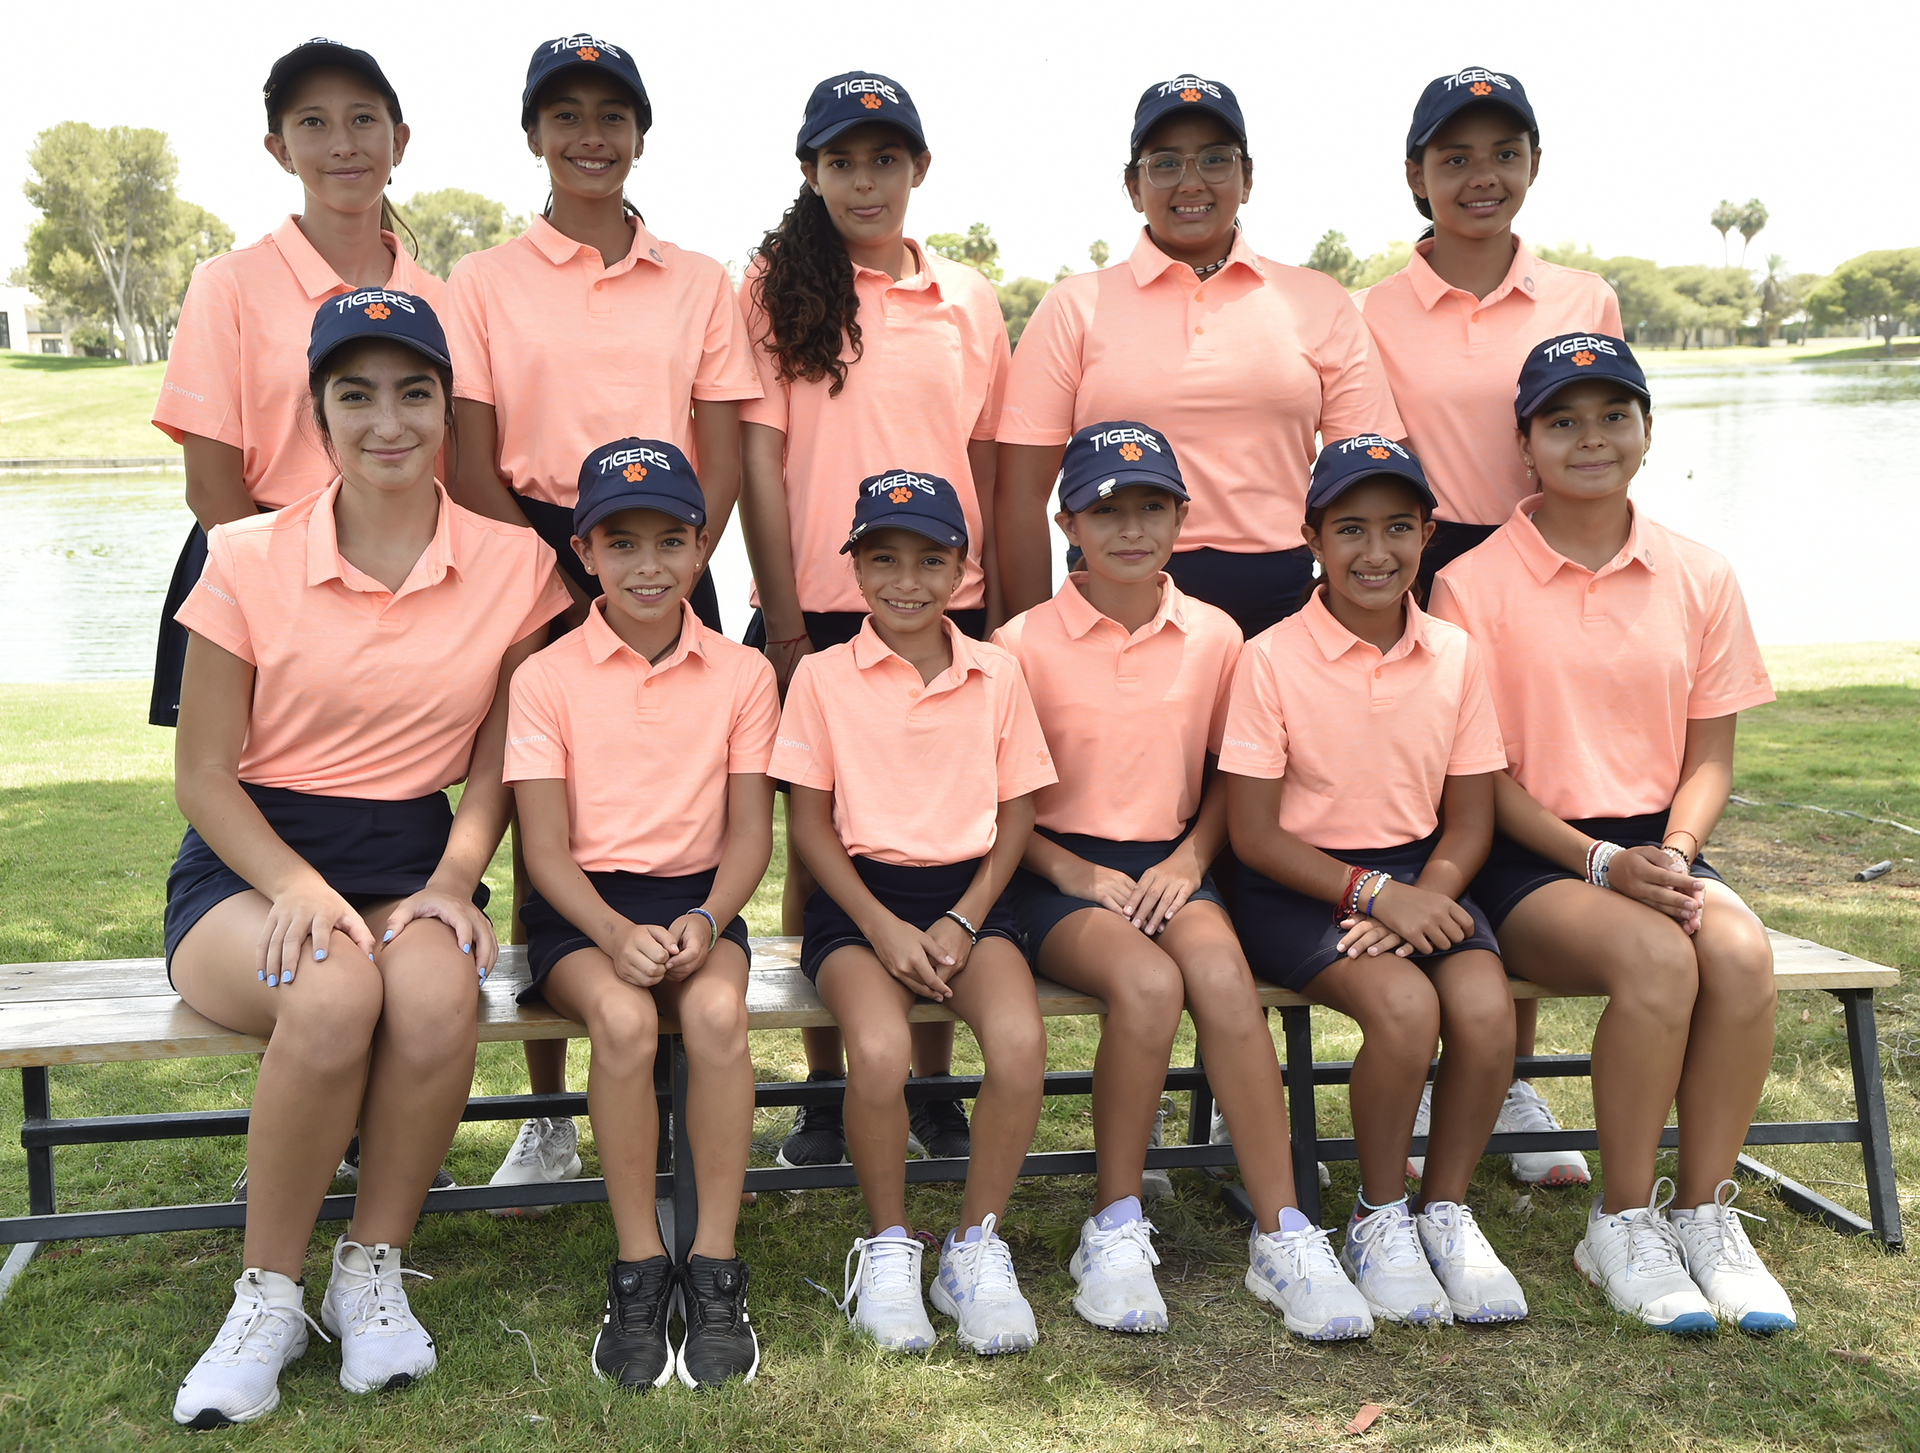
column 904, row 499
column 1345, row 462
column 1104, row 457
column 637, row 474
column 312, row 56
column 853, row 99
column 377, row 313
column 1184, row 93
column 551, row 57
column 1571, row 357
column 1470, row 87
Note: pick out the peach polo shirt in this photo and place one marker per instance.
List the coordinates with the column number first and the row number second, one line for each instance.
column 1364, row 741
column 1596, row 674
column 571, row 353
column 932, row 367
column 1129, row 717
column 237, row 367
column 358, row 691
column 1453, row 360
column 1239, row 371
column 917, row 770
column 645, row 750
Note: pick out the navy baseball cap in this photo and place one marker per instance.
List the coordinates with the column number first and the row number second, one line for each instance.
column 637, row 474
column 1571, row 358
column 1104, row 457
column 1470, row 87
column 376, row 313
column 312, row 56
column 551, row 57
column 902, row 499
column 1345, row 462
column 854, row 98
column 1182, row 92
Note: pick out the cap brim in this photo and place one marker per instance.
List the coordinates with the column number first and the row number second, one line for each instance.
column 313, row 366
column 677, row 508
column 1120, row 479
column 312, row 57
column 1526, row 408
column 935, row 530
column 1525, row 113
column 827, row 133
column 642, row 106
column 1141, row 128
column 1317, row 501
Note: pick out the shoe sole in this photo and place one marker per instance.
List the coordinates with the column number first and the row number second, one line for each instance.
column 207, row 1419
column 780, row 1159
column 1439, row 1314
column 979, row 1346
column 533, row 1213
column 392, row 1384
column 1687, row 1324
column 673, row 1353
column 687, row 1378
column 1559, row 1175
column 1119, row 1324
column 1765, row 1324
column 1337, row 1329
column 1486, row 1314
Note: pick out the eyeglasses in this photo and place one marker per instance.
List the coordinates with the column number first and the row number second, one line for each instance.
column 1215, row 164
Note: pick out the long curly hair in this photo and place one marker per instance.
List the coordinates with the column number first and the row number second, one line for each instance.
column 805, row 288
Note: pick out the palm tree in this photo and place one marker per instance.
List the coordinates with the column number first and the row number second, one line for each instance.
column 1725, row 218
column 1776, row 293
column 1753, row 217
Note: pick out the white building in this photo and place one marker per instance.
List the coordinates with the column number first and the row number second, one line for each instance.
column 28, row 326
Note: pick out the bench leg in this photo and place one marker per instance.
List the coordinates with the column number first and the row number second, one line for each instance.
column 1302, row 1121
column 686, row 1193
column 1199, row 1108
column 1870, row 1104
column 37, row 1102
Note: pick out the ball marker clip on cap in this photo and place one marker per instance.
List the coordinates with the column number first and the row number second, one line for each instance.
column 1104, row 457
column 1573, row 358
column 1343, row 463
column 903, row 499
column 376, row 313
column 589, row 53
column 312, row 56
column 637, row 474
column 1186, row 93
column 1471, row 87
column 852, row 99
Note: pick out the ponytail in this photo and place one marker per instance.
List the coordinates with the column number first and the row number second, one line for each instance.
column 392, row 221
column 805, row 289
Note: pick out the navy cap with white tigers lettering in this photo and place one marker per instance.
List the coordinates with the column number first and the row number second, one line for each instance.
column 1473, row 86
column 1104, row 457
column 1571, row 358
column 906, row 499
column 852, row 99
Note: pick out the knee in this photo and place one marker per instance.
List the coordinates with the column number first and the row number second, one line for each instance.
column 625, row 1027
column 878, row 1057
column 1148, row 1002
column 1662, row 975
column 332, row 1026
column 1404, row 1020
column 1015, row 1047
column 713, row 1019
column 1480, row 1015
column 1736, row 969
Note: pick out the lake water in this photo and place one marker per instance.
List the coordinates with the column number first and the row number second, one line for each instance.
column 1776, row 466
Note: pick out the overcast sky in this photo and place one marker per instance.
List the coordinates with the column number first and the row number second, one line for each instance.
column 1650, row 113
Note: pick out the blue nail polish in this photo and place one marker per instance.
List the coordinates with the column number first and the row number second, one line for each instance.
column 388, row 938
column 319, row 953
column 466, row 948
column 261, row 975
column 272, row 980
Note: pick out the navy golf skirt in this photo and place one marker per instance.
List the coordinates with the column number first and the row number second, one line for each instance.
column 554, row 524
column 1512, row 872
column 1256, row 590
column 635, row 897
column 1039, row 907
column 917, row 895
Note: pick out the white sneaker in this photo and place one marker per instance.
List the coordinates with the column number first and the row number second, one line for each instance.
column 1638, row 1260
column 1478, row 1285
column 977, row 1288
column 1525, row 1110
column 1217, row 1135
column 382, row 1345
column 237, row 1379
column 545, row 1151
column 1297, row 1274
column 1155, row 1183
column 1727, row 1269
column 1384, row 1257
column 1114, row 1270
column 1422, row 1125
column 881, row 1295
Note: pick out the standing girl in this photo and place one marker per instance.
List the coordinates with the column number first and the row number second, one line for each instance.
column 1620, row 655
column 1362, row 746
column 632, row 888
column 586, row 328
column 869, row 349
column 235, row 394
column 1238, row 359
column 914, row 755
column 349, row 662
column 1130, row 679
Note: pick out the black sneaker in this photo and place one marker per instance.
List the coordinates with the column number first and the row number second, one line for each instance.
column 720, row 1342
column 941, row 1128
column 632, row 1347
column 819, row 1134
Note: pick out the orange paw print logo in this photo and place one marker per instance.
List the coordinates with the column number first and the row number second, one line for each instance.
column 870, row 101
column 1376, row 452
column 1481, row 88
column 1190, row 94
column 900, row 495
column 588, row 53
column 1130, row 453
column 634, row 473
column 1582, row 358
column 378, row 311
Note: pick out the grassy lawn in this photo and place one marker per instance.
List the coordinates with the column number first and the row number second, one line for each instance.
column 78, row 408
column 94, row 1335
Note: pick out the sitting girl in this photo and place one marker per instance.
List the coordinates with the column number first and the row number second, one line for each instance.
column 348, row 662
column 914, row 753
column 637, row 746
column 1363, row 745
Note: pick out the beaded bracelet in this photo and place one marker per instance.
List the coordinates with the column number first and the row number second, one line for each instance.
column 957, row 917
column 715, row 927
column 1599, row 856
column 1380, row 881
column 1681, row 862
column 1345, row 905
column 1682, row 832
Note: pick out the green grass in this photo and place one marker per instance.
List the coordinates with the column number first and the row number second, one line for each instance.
column 79, row 408
column 1821, row 350
column 95, row 1334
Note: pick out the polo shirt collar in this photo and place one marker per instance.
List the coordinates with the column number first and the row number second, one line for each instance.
column 1079, row 616
column 560, row 249
column 869, row 651
column 1544, row 562
column 1149, row 262
column 923, row 279
column 325, row 562
column 1429, row 287
column 1335, row 640
column 603, row 641
column 313, row 272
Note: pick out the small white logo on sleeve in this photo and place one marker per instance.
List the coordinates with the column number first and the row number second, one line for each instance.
column 216, row 590
column 790, row 742
column 1236, row 742
column 530, row 737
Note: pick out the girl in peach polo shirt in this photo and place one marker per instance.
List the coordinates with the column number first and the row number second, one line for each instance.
column 1361, row 748
column 1620, row 656
column 349, row 661
column 1238, row 359
column 235, row 388
column 869, row 349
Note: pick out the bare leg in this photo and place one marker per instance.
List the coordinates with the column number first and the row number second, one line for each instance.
column 1098, row 952
column 1476, row 1066
column 711, row 1005
column 1584, row 940
column 1237, row 1048
column 1730, row 1047
column 995, row 996
column 871, row 1007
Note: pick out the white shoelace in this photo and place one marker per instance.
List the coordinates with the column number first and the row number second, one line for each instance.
column 1525, row 1110
column 889, row 1264
column 987, row 1264
column 1653, row 1246
column 1124, row 1248
column 527, row 1145
column 378, row 1304
column 1464, row 1238
column 1390, row 1234
column 247, row 1333
column 1309, row 1252
column 1724, row 1238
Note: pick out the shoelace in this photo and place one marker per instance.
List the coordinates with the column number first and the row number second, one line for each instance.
column 526, row 1146
column 379, row 1300
column 241, row 1329
column 987, row 1264
column 1726, row 1239
column 1310, row 1251
column 1653, row 1246
column 1125, row 1247
column 1389, row 1232
column 890, row 1263
column 1464, row 1236
column 1525, row 1110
